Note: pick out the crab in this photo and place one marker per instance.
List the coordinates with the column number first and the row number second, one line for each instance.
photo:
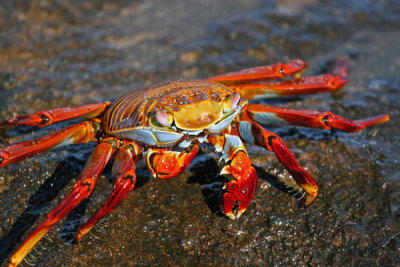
column 166, row 123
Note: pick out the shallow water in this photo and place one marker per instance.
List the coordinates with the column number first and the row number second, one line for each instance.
column 63, row 53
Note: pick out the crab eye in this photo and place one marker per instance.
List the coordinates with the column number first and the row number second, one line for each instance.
column 235, row 100
column 162, row 117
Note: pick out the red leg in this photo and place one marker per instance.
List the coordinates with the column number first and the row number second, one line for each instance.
column 301, row 86
column 75, row 134
column 241, row 189
column 308, row 118
column 166, row 164
column 81, row 190
column 253, row 133
column 123, row 173
column 245, row 82
column 44, row 118
column 263, row 73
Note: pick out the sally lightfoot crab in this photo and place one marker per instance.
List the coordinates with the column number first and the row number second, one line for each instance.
column 165, row 124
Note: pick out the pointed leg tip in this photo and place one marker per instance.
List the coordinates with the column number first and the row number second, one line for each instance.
column 384, row 118
column 307, row 201
column 12, row 263
column 82, row 232
column 230, row 215
column 374, row 120
column 339, row 82
column 240, row 212
column 29, row 243
column 380, row 119
column 293, row 66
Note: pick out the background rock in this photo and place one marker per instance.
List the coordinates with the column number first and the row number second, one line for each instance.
column 59, row 53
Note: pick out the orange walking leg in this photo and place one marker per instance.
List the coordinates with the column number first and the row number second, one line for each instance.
column 44, row 118
column 81, row 190
column 251, row 83
column 262, row 73
column 75, row 134
column 124, row 176
column 253, row 133
column 308, row 118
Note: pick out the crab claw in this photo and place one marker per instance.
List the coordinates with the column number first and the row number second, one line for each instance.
column 166, row 164
column 239, row 191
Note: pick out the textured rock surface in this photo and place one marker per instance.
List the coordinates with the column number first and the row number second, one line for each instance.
column 59, row 53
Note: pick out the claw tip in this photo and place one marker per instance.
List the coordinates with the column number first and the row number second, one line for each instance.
column 235, row 215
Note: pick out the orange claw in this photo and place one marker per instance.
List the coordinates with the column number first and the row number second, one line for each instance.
column 242, row 187
column 241, row 190
column 165, row 164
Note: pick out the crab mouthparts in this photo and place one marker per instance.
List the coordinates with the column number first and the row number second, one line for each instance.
column 188, row 141
column 201, row 136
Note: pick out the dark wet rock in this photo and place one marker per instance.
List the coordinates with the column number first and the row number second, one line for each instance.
column 302, row 28
column 58, row 53
column 7, row 81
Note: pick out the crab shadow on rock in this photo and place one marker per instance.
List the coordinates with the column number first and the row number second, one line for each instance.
column 48, row 193
column 45, row 194
column 206, row 173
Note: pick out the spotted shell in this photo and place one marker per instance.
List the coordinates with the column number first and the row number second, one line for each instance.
column 194, row 105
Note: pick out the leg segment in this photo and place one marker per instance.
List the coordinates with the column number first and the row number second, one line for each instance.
column 81, row 190
column 245, row 82
column 240, row 190
column 44, row 118
column 253, row 133
column 124, row 176
column 263, row 73
column 75, row 134
column 166, row 164
column 308, row 118
column 301, row 86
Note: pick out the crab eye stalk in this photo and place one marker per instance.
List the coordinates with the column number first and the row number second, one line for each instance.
column 231, row 102
column 235, row 98
column 163, row 118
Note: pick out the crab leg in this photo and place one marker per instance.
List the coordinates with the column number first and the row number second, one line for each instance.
column 253, row 133
column 44, row 118
column 75, row 134
column 301, row 86
column 245, row 82
column 123, row 173
column 263, row 73
column 308, row 118
column 81, row 190
column 166, row 164
column 240, row 190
